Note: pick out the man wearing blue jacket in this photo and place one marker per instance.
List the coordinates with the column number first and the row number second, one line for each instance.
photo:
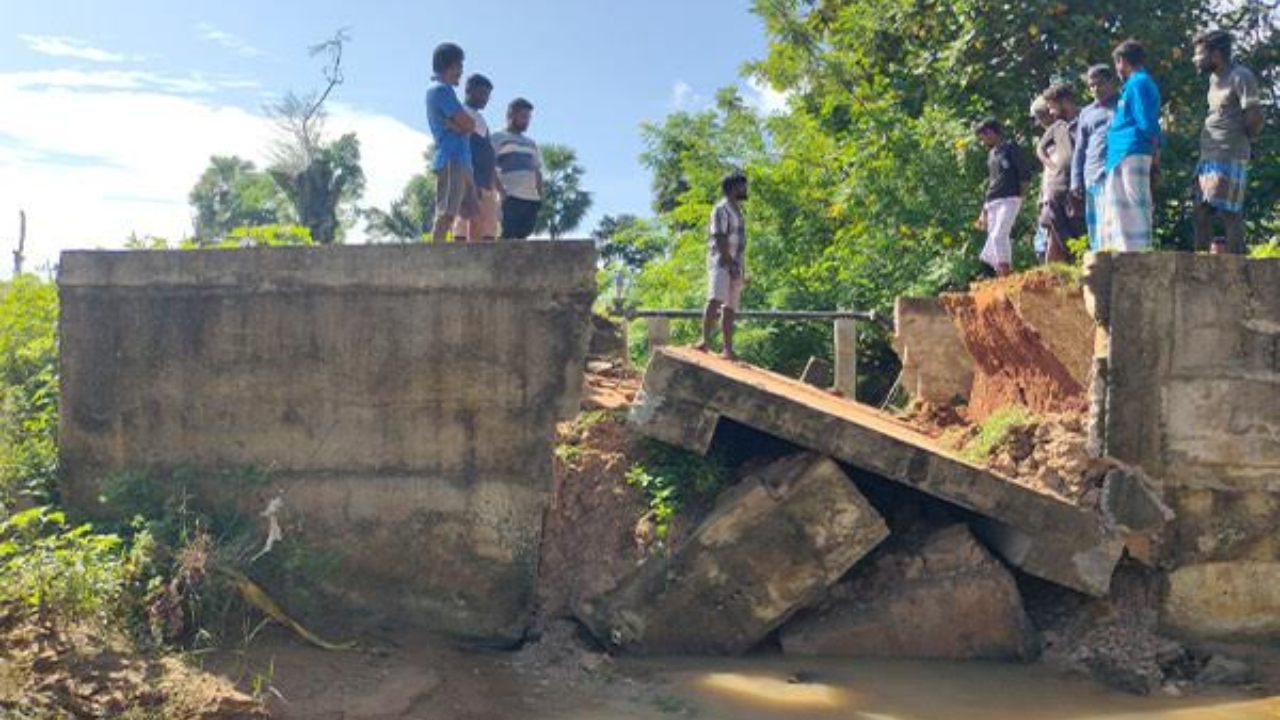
column 1133, row 154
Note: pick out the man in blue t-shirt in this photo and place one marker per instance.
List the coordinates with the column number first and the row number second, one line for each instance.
column 451, row 127
column 1133, row 154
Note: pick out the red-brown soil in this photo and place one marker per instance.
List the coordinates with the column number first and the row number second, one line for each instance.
column 1014, row 362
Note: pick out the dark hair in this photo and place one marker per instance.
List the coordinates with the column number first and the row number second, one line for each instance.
column 519, row 104
column 1059, row 92
column 1219, row 40
column 989, row 124
column 732, row 180
column 478, row 81
column 446, row 56
column 1132, row 52
column 1100, row 73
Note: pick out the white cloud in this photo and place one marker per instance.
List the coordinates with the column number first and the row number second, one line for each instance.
column 234, row 43
column 764, row 98
column 94, row 157
column 684, row 97
column 59, row 46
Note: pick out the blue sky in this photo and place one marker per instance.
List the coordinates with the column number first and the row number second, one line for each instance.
column 110, row 114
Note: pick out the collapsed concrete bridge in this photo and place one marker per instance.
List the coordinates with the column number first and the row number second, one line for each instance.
column 687, row 393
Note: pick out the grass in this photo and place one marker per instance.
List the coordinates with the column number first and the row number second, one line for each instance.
column 994, row 431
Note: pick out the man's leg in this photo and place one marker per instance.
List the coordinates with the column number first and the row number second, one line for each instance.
column 440, row 231
column 1203, row 225
column 727, row 318
column 709, row 317
column 1233, row 223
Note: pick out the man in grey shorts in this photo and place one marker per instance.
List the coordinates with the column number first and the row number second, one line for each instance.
column 726, row 262
column 451, row 127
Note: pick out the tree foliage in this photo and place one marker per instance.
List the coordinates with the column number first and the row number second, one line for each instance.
column 233, row 193
column 564, row 202
column 867, row 187
column 320, row 179
column 411, row 217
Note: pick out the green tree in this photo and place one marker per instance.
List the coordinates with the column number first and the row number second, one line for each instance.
column 564, row 202
column 411, row 216
column 322, row 180
column 233, row 193
column 627, row 242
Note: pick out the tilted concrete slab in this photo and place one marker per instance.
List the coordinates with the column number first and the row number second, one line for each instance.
column 687, row 392
column 775, row 542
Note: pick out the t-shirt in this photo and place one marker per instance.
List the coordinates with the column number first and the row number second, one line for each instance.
column 482, row 155
column 1224, row 136
column 519, row 163
column 1089, row 165
column 727, row 220
column 1135, row 129
column 1007, row 170
column 451, row 146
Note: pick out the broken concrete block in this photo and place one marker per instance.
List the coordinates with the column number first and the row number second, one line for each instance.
column 818, row 373
column 945, row 599
column 774, row 543
column 686, row 393
column 936, row 366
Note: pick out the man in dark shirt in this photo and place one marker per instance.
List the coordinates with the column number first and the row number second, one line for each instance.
column 483, row 223
column 1008, row 178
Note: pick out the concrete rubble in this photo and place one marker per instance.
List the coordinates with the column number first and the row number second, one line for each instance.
column 942, row 596
column 774, row 543
column 686, row 393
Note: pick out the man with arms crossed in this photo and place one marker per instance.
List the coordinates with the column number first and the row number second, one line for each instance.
column 483, row 225
column 1089, row 159
column 1234, row 120
column 519, row 172
column 451, row 127
column 726, row 262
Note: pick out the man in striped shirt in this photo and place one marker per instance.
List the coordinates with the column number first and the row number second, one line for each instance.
column 519, row 172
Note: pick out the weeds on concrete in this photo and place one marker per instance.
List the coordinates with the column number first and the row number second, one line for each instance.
column 978, row 443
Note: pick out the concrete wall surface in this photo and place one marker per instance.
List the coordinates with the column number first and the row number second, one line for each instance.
column 403, row 399
column 1192, row 356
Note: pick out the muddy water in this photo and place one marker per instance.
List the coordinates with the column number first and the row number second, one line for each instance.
column 758, row 689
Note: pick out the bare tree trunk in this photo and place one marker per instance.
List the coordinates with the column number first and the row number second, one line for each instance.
column 18, row 256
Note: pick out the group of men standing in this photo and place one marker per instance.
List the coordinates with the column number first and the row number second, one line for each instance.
column 487, row 184
column 1100, row 162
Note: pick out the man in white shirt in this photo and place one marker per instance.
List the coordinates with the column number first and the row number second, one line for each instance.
column 726, row 262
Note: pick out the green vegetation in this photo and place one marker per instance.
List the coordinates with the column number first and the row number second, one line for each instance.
column 991, row 433
column 673, row 480
column 28, row 390
column 866, row 187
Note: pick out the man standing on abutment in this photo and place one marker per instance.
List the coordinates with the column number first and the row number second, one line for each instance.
column 1234, row 120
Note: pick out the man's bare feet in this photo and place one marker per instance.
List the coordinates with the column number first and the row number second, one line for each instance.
column 729, row 355
column 700, row 347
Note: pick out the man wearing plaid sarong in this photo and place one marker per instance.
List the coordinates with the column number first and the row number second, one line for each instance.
column 1234, row 120
column 1133, row 143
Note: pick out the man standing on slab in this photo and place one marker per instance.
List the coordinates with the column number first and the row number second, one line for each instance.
column 451, row 128
column 1234, row 120
column 483, row 223
column 726, row 262
column 1056, row 212
column 519, row 172
column 1089, row 161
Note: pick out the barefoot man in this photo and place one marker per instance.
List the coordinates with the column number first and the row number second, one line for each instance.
column 726, row 262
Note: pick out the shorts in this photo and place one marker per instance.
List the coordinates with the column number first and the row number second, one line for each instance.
column 483, row 224
column 455, row 191
column 724, row 288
